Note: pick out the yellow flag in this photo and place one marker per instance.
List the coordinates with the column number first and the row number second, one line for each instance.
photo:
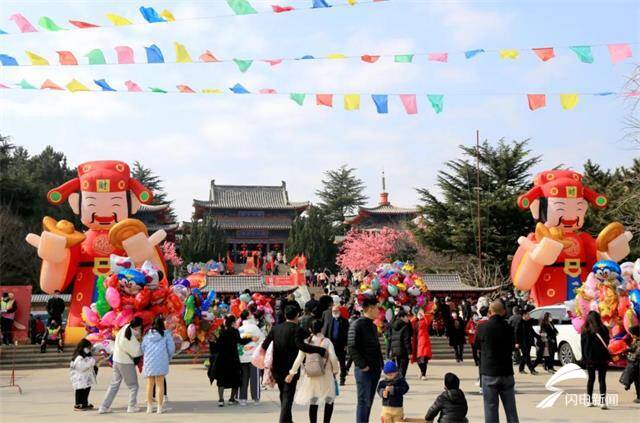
column 336, row 56
column 352, row 2
column 118, row 20
column 211, row 91
column 75, row 85
column 568, row 101
column 182, row 55
column 37, row 60
column 167, row 15
column 509, row 54
column 351, row 101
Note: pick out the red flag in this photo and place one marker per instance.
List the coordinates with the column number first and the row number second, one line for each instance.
column 50, row 85
column 544, row 53
column 207, row 56
column 537, row 101
column 294, row 262
column 82, row 25
column 67, row 58
column 369, row 59
column 187, row 89
column 280, row 9
column 229, row 264
column 324, row 100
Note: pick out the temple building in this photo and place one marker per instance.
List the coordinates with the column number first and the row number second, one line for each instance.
column 156, row 217
column 254, row 217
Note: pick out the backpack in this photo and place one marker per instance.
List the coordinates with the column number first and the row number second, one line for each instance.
column 314, row 364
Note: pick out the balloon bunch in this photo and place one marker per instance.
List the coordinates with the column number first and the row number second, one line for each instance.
column 199, row 271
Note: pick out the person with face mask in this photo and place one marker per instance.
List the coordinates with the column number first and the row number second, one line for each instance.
column 455, row 332
column 336, row 329
column 421, row 342
column 83, row 374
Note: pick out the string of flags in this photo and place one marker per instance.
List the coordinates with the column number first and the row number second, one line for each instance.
column 350, row 101
column 125, row 55
column 152, row 16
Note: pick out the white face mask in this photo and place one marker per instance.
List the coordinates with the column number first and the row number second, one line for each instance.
column 335, row 315
column 87, row 350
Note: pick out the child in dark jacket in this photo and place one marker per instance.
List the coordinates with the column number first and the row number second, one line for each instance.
column 392, row 388
column 451, row 404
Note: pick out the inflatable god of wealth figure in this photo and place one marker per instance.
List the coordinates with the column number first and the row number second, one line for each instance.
column 104, row 195
column 554, row 260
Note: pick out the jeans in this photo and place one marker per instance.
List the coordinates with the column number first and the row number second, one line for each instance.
column 494, row 389
column 250, row 374
column 366, row 384
column 287, row 391
column 126, row 372
column 602, row 380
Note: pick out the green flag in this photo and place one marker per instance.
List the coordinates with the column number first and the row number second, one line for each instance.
column 25, row 85
column 584, row 53
column 49, row 24
column 241, row 7
column 403, row 58
column 436, row 101
column 297, row 97
column 243, row 65
column 96, row 57
column 157, row 90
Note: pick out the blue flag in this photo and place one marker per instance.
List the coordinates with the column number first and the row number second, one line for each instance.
column 2, row 32
column 8, row 60
column 239, row 89
column 154, row 55
column 103, row 84
column 381, row 101
column 470, row 53
column 306, row 56
column 150, row 15
column 320, row 3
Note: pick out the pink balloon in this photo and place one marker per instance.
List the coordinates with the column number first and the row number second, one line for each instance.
column 124, row 317
column 108, row 318
column 90, row 316
column 191, row 331
column 113, row 297
column 577, row 323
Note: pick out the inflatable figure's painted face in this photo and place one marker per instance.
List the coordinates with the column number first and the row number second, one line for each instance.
column 566, row 213
column 102, row 210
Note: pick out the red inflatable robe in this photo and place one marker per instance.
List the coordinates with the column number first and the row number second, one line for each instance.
column 421, row 341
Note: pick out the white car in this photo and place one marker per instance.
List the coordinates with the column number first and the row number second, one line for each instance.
column 569, row 350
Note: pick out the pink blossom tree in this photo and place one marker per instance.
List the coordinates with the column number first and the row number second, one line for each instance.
column 170, row 255
column 366, row 250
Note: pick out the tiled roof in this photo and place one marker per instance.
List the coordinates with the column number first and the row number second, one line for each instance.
column 235, row 283
column 390, row 209
column 241, row 222
column 43, row 298
column 249, row 197
column 450, row 282
column 152, row 227
column 152, row 208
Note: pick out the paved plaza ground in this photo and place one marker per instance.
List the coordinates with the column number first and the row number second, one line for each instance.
column 48, row 397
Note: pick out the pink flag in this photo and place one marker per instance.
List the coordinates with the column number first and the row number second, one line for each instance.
column 3, row 86
column 125, row 55
column 438, row 57
column 83, row 25
column 67, row 58
column 280, row 9
column 409, row 103
column 324, row 100
column 537, row 101
column 133, row 87
column 545, row 53
column 207, row 56
column 267, row 91
column 369, row 58
column 619, row 52
column 184, row 89
column 273, row 62
column 23, row 24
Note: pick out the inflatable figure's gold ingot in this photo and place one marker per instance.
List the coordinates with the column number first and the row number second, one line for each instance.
column 63, row 228
column 608, row 234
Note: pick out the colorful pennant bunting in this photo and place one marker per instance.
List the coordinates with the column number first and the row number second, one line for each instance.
column 48, row 24
column 243, row 65
column 36, row 60
column 568, row 101
column 536, row 101
column 96, row 57
column 185, row 89
column 168, row 16
column 125, row 55
column 436, row 101
column 298, row 98
column 83, row 25
column 50, row 85
column 472, row 53
column 132, row 87
column 241, row 7
column 352, row 101
column 509, row 54
column 157, row 90
column 281, row 9
column 273, row 62
column 267, row 91
column 182, row 55
column 438, row 57
column 103, row 85
column 154, row 55
column 7, row 60
column 336, row 56
column 239, row 89
column 403, row 58
column 150, row 15
column 67, row 58
column 207, row 56
column 320, row 4
column 324, row 100
column 382, row 102
column 619, row 52
column 584, row 53
column 369, row 59
column 118, row 20
column 545, row 54
column 75, row 86
column 409, row 103
column 26, row 86
column 22, row 23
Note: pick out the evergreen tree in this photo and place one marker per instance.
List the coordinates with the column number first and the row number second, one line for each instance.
column 154, row 183
column 205, row 241
column 342, row 192
column 312, row 234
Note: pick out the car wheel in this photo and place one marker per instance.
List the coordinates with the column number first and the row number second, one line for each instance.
column 565, row 354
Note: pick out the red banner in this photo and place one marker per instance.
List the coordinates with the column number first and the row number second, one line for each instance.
column 22, row 295
column 289, row 280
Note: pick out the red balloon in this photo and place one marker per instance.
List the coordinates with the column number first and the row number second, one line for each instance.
column 146, row 316
column 142, row 299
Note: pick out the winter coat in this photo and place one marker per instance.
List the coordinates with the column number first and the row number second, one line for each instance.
column 594, row 353
column 470, row 330
column 494, row 339
column 525, row 335
column 364, row 345
column 451, row 405
column 226, row 369
column 548, row 336
column 250, row 330
column 321, row 388
column 455, row 332
column 399, row 387
column 158, row 350
column 421, row 341
column 400, row 338
column 125, row 350
column 81, row 371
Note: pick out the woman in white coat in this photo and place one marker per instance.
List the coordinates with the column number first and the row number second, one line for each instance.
column 314, row 390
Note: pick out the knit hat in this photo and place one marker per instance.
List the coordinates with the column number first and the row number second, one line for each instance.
column 451, row 381
column 390, row 367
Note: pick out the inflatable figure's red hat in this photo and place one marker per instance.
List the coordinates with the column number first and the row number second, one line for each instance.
column 560, row 184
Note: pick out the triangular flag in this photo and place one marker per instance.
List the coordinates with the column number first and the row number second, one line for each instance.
column 381, row 102
column 157, row 90
column 154, row 54
column 281, row 9
column 306, row 57
column 2, row 85
column 239, row 89
column 207, row 56
column 7, row 60
column 273, row 62
column 267, row 91
column 118, row 20
column 83, row 25
column 545, row 53
column 605, row 93
column 317, row 4
column 96, row 57
column 185, row 89
column 509, row 54
column 403, row 58
column 182, row 55
column 351, row 2
column 536, row 101
column 67, row 58
column 22, row 23
column 48, row 24
column 75, row 86
column 472, row 53
column 619, row 52
column 583, row 52
column 409, row 103
column 211, row 91
column 336, row 56
column 26, row 86
column 132, row 87
column 125, row 55
column 369, row 58
column 3, row 32
column 103, row 84
column 324, row 100
column 568, row 101
column 243, row 65
column 436, row 101
column 438, row 57
column 241, row 7
column 297, row 97
column 50, row 85
column 167, row 15
column 351, row 101
column 36, row 60
column 150, row 15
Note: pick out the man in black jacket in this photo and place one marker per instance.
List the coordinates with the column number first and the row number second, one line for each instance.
column 525, row 340
column 55, row 307
column 336, row 329
column 400, row 341
column 495, row 342
column 287, row 338
column 364, row 349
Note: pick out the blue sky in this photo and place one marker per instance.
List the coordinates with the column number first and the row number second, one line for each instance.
column 189, row 140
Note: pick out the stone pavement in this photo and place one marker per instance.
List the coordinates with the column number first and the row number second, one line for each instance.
column 48, row 397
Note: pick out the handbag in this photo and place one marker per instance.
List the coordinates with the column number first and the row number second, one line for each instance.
column 314, row 365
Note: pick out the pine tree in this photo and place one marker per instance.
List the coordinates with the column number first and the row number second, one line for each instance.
column 312, row 234
column 341, row 194
column 204, row 241
column 154, row 183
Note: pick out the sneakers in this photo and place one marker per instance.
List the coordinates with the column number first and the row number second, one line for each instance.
column 534, row 372
column 604, row 407
column 423, row 378
column 220, row 403
column 243, row 402
column 477, row 383
column 522, row 372
column 103, row 410
column 637, row 400
column 150, row 409
column 166, row 400
column 257, row 402
column 233, row 401
column 161, row 409
column 133, row 409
